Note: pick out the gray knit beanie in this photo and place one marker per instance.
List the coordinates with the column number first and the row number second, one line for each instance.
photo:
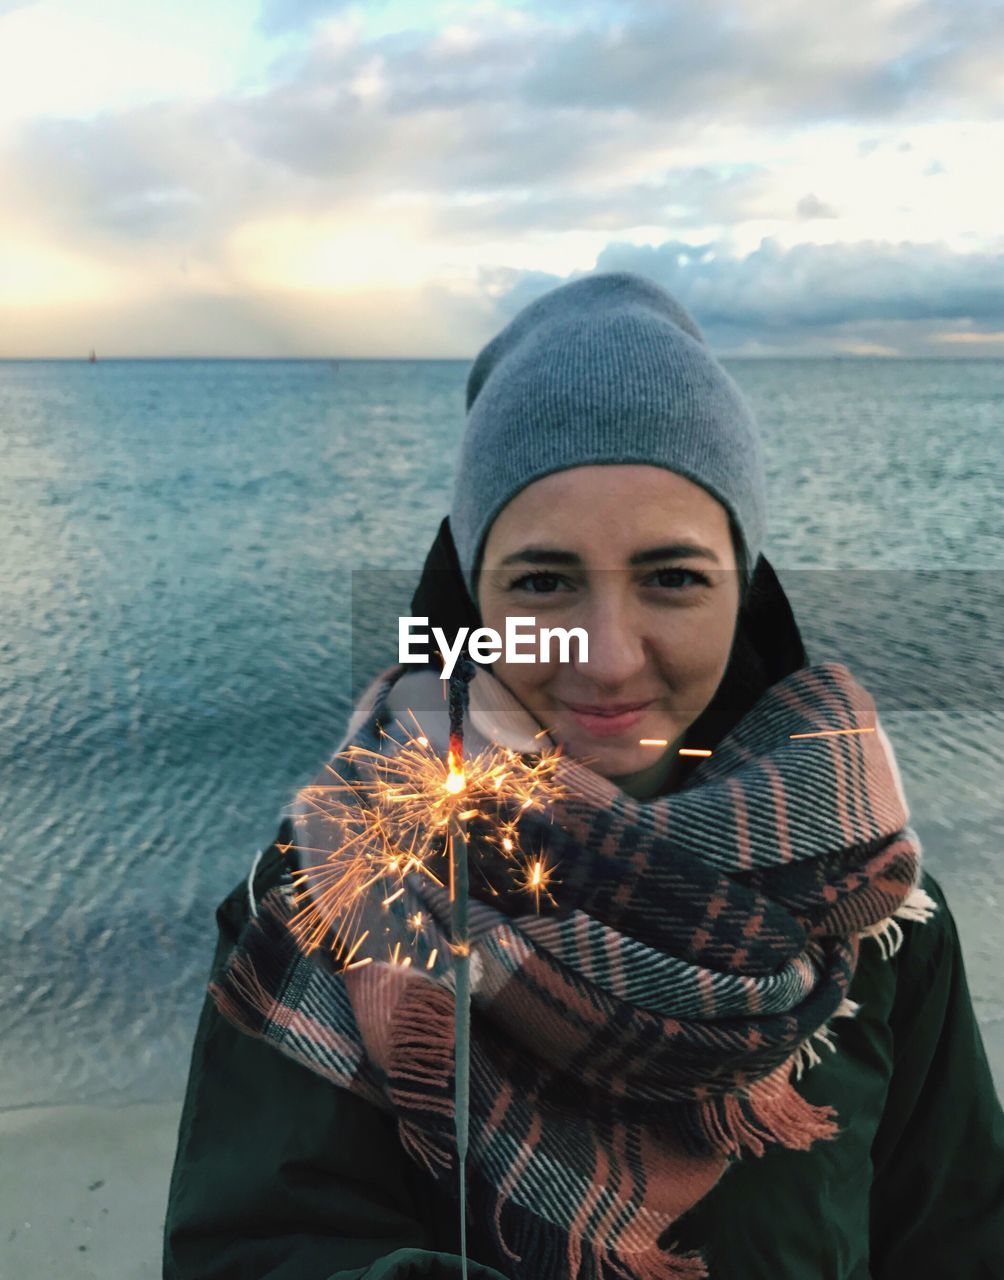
column 609, row 368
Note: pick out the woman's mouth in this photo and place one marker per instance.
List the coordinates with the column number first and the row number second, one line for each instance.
column 604, row 722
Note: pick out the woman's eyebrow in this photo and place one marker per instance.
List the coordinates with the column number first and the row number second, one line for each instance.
column 671, row 551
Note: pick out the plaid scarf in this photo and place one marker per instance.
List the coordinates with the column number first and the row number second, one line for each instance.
column 634, row 1038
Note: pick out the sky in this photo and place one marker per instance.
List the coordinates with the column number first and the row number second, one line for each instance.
column 311, row 178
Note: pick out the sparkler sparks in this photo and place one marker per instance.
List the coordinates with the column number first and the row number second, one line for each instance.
column 536, row 876
column 391, row 814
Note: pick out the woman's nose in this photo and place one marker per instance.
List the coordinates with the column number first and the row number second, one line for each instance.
column 616, row 646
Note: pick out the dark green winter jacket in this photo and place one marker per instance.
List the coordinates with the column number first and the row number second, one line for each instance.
column 281, row 1176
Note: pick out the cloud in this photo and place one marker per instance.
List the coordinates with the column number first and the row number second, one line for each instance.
column 690, row 196
column 818, row 285
column 889, row 297
column 104, row 175
column 810, row 206
column 163, row 174
column 780, row 62
column 312, row 141
column 510, row 122
column 869, row 298
column 712, row 148
column 510, row 97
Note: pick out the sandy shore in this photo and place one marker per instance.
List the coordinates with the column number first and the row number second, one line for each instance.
column 83, row 1191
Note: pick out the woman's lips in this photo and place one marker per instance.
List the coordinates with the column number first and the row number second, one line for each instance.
column 603, row 725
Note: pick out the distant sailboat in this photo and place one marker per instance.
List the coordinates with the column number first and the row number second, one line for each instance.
column 92, row 357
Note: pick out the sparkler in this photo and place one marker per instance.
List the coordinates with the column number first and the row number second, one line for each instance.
column 456, row 782
column 404, row 810
column 396, row 821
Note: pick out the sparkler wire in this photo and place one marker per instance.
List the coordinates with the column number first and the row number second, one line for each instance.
column 461, row 1020
column 459, row 696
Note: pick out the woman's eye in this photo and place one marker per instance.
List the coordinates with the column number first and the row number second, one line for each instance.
column 671, row 578
column 545, row 583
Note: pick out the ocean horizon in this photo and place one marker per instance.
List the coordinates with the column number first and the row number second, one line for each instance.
column 720, row 355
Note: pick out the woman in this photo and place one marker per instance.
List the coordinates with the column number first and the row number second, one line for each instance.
column 647, row 1100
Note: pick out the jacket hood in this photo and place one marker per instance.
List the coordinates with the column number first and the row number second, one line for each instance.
column 767, row 644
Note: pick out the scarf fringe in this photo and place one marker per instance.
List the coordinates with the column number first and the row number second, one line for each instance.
column 420, row 1075
column 250, row 989
column 573, row 1255
column 806, row 1050
column 424, row 1036
column 888, row 933
column 249, row 997
column 423, row 1149
column 919, row 905
column 649, row 1264
column 769, row 1111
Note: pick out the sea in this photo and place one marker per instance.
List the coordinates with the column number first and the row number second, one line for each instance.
column 185, row 551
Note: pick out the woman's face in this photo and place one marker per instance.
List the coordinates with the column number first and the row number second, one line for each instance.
column 592, row 547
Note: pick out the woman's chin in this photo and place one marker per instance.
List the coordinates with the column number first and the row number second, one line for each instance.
column 610, row 759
